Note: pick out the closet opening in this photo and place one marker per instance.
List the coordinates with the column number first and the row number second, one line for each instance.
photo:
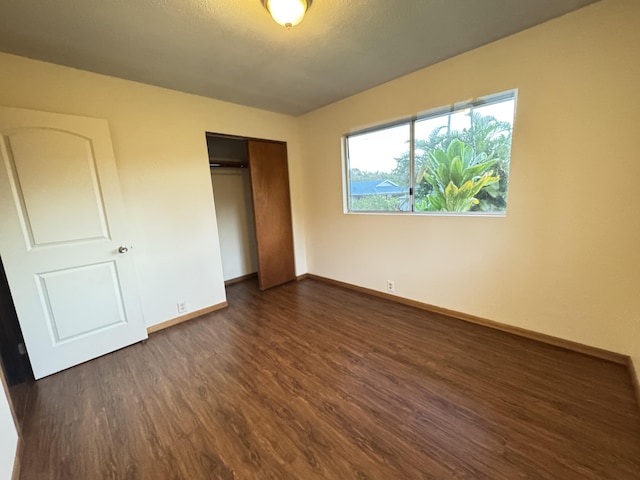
column 228, row 165
column 250, row 180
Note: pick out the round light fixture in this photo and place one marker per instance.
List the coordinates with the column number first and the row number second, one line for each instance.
column 287, row 12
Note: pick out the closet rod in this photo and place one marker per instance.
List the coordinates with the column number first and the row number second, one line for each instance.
column 228, row 165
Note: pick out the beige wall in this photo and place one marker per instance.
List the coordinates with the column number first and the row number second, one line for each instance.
column 566, row 259
column 160, row 149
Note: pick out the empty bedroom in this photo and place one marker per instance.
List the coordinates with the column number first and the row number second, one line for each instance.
column 313, row 239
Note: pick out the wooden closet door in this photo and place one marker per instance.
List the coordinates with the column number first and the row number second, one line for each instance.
column 272, row 209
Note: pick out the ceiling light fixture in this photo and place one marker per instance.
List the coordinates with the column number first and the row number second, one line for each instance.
column 287, row 12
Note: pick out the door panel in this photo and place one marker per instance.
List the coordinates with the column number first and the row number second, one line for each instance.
column 62, row 224
column 272, row 210
column 49, row 164
column 101, row 306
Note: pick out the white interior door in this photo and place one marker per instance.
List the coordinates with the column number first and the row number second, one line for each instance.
column 61, row 228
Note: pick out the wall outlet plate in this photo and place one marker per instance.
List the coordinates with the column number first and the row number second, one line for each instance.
column 182, row 306
column 391, row 286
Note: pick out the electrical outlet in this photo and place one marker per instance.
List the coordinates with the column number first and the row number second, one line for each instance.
column 391, row 286
column 182, row 306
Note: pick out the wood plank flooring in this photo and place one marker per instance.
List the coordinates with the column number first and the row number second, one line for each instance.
column 313, row 381
column 19, row 399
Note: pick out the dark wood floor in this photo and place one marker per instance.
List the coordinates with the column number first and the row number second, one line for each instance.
column 312, row 381
column 19, row 397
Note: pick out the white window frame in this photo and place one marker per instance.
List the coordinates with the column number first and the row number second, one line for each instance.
column 433, row 113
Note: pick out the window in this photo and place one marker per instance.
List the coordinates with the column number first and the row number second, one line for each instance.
column 450, row 160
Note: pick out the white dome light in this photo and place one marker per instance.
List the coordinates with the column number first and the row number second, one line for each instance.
column 287, row 12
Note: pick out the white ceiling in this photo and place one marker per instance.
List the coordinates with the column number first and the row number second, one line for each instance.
column 232, row 49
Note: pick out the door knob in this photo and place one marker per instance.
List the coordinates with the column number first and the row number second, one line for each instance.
column 123, row 249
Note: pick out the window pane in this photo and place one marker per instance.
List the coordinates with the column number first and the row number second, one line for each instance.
column 462, row 159
column 379, row 177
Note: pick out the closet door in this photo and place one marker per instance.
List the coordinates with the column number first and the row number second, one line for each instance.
column 272, row 209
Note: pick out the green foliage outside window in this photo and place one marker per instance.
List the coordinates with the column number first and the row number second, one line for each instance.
column 488, row 139
column 455, row 176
